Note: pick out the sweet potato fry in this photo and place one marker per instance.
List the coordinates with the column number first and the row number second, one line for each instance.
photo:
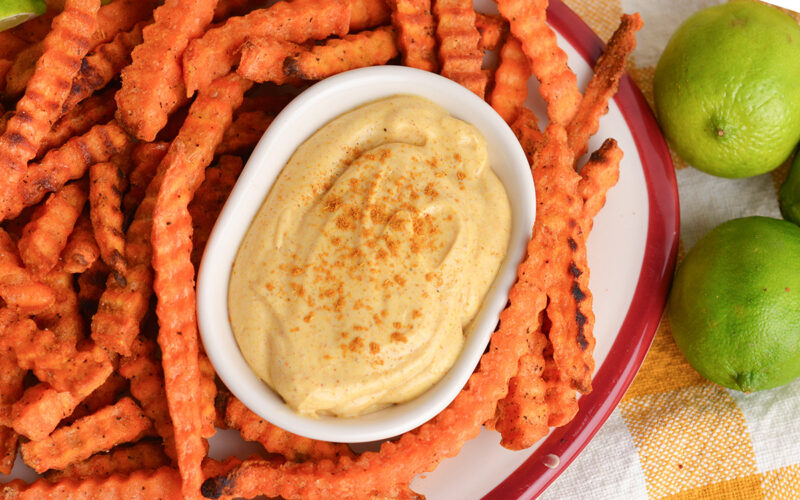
column 22, row 67
column 459, row 55
column 184, row 167
column 61, row 165
column 215, row 53
column 599, row 175
column 11, row 380
column 526, row 128
column 398, row 461
column 208, row 390
column 145, row 158
column 276, row 440
column 121, row 423
column 604, row 83
column 107, row 182
column 64, row 47
column 244, row 133
column 147, row 386
column 10, row 45
column 45, row 236
column 209, row 199
column 493, row 30
column 144, row 455
column 103, row 65
column 560, row 397
column 366, row 14
column 510, row 81
column 81, row 250
column 263, row 59
column 64, row 318
column 18, row 289
column 558, row 84
column 105, row 395
column 152, row 86
column 415, row 27
column 96, row 109
column 91, row 284
column 367, row 48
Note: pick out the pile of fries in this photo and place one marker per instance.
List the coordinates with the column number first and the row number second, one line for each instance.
column 127, row 126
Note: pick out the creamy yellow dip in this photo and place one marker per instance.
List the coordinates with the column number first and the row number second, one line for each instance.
column 359, row 276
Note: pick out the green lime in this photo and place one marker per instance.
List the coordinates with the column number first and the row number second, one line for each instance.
column 734, row 307
column 14, row 12
column 726, row 89
column 789, row 194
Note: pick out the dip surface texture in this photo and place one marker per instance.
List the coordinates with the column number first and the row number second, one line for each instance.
column 364, row 267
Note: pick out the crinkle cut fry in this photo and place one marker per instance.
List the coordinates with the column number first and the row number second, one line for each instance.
column 215, row 53
column 152, row 85
column 144, row 455
column 367, row 48
column 103, row 65
column 560, row 397
column 598, row 175
column 145, row 158
column 459, row 55
column 11, row 380
column 79, row 119
column 18, row 288
column 262, row 60
column 10, row 45
column 415, row 27
column 103, row 396
column 61, row 165
column 81, row 250
column 419, row 450
column 558, row 84
column 45, row 236
column 122, row 307
column 64, row 47
column 510, row 81
column 184, row 167
column 493, row 30
column 146, row 377
column 276, row 440
column 604, row 83
column 120, row 423
column 64, row 318
column 526, row 128
column 245, row 132
column 107, row 182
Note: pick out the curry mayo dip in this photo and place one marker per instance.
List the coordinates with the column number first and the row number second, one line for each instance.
column 358, row 278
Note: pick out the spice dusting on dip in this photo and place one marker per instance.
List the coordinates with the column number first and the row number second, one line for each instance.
column 358, row 279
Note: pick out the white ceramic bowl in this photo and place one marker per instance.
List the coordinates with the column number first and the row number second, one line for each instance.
column 300, row 119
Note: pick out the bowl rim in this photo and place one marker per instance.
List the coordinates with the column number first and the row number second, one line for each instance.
column 303, row 116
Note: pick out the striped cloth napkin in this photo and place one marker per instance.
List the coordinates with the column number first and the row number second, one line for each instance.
column 675, row 435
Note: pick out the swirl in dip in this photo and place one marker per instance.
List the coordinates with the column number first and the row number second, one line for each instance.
column 358, row 279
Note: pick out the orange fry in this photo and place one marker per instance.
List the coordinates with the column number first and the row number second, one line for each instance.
column 61, row 165
column 59, row 364
column 20, row 291
column 78, row 120
column 144, row 455
column 147, row 386
column 11, row 379
column 599, row 175
column 215, row 53
column 45, row 236
column 415, row 33
column 526, row 128
column 209, row 199
column 21, row 69
column 10, row 45
column 493, row 30
column 64, row 47
column 458, row 38
column 558, row 84
column 263, row 59
column 208, row 390
column 121, row 423
column 152, row 86
column 81, row 250
column 604, row 83
column 386, row 472
column 510, row 81
column 276, row 440
column 145, row 158
column 64, row 318
column 107, row 182
column 184, row 167
column 367, row 48
column 560, row 397
column 366, row 14
column 105, row 395
column 103, row 65
column 244, row 133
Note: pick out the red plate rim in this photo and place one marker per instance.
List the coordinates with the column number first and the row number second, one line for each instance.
column 641, row 322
